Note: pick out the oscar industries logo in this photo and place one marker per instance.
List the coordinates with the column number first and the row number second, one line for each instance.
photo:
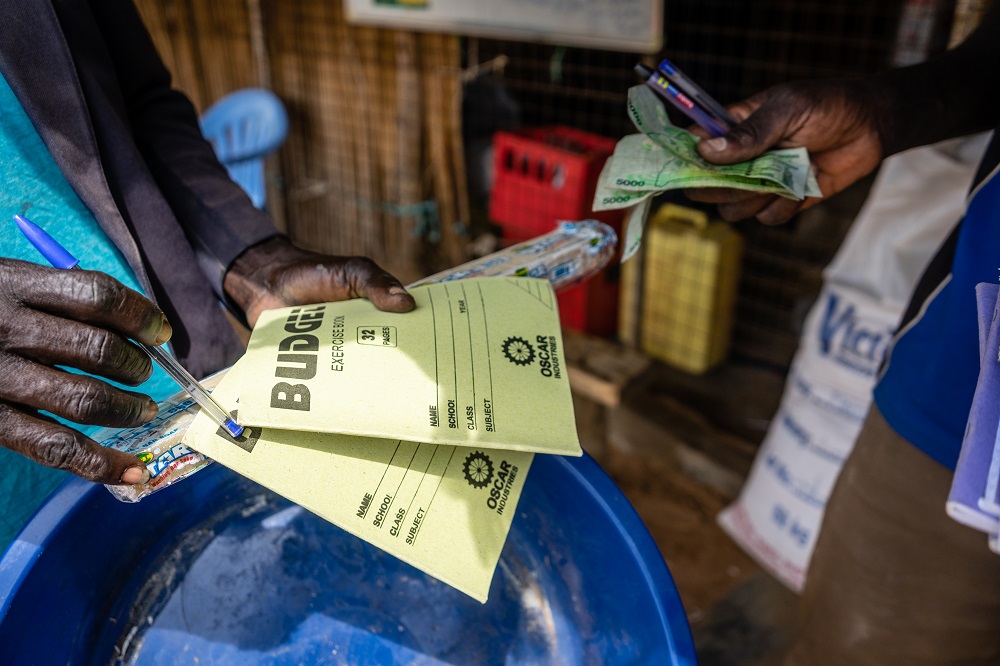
column 480, row 473
column 478, row 469
column 518, row 350
column 544, row 349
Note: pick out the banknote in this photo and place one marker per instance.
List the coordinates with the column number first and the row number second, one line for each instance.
column 664, row 157
column 650, row 118
column 641, row 168
column 634, row 223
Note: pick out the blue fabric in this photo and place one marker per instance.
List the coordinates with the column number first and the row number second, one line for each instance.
column 926, row 390
column 33, row 185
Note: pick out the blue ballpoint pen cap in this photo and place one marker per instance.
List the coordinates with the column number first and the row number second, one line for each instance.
column 668, row 67
column 53, row 252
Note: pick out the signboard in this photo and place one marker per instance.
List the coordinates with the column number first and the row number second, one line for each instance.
column 621, row 25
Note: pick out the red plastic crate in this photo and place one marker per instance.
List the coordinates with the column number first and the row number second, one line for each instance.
column 547, row 174
column 543, row 175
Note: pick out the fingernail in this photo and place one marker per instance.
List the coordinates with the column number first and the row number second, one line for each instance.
column 165, row 332
column 151, row 411
column 134, row 475
column 716, row 145
column 395, row 291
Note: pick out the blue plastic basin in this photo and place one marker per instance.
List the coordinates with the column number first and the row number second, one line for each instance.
column 218, row 570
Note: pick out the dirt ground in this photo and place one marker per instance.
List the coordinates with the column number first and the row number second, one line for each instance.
column 739, row 614
column 679, row 449
column 680, row 514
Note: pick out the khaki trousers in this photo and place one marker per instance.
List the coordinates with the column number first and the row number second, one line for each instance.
column 893, row 579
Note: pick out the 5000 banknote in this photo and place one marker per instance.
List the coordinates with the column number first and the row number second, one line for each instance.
column 663, row 158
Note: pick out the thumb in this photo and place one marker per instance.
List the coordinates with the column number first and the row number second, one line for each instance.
column 759, row 132
column 368, row 280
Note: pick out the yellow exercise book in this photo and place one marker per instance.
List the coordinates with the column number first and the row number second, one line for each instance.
column 478, row 363
column 445, row 510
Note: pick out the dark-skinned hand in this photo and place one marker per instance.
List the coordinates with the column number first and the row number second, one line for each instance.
column 83, row 320
column 86, row 320
column 277, row 274
column 838, row 122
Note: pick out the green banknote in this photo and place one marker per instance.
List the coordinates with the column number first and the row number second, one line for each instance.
column 650, row 118
column 641, row 168
column 663, row 158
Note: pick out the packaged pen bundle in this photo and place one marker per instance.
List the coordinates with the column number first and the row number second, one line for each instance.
column 159, row 444
column 566, row 256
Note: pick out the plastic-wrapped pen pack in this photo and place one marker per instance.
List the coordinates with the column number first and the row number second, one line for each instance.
column 160, row 445
column 566, row 256
column 570, row 254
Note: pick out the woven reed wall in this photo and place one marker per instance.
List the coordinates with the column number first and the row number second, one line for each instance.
column 206, row 45
column 373, row 164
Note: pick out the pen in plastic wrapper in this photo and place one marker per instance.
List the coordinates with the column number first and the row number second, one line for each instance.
column 59, row 257
column 570, row 254
column 695, row 92
column 160, row 446
column 566, row 256
column 668, row 91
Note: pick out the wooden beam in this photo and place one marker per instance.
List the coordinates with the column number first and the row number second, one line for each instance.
column 600, row 369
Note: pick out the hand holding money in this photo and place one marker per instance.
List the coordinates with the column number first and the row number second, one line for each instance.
column 840, row 123
column 665, row 157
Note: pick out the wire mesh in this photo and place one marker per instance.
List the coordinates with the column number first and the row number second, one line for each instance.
column 733, row 49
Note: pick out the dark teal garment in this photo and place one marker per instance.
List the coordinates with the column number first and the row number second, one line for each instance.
column 34, row 186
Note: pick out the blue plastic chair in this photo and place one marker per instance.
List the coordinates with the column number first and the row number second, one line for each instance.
column 244, row 127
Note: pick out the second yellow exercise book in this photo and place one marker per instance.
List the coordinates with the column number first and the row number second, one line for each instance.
column 443, row 509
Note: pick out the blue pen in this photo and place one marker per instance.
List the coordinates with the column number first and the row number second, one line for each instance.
column 59, row 257
column 682, row 102
column 695, row 92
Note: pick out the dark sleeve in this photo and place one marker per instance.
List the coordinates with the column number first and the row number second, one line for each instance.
column 952, row 95
column 217, row 216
